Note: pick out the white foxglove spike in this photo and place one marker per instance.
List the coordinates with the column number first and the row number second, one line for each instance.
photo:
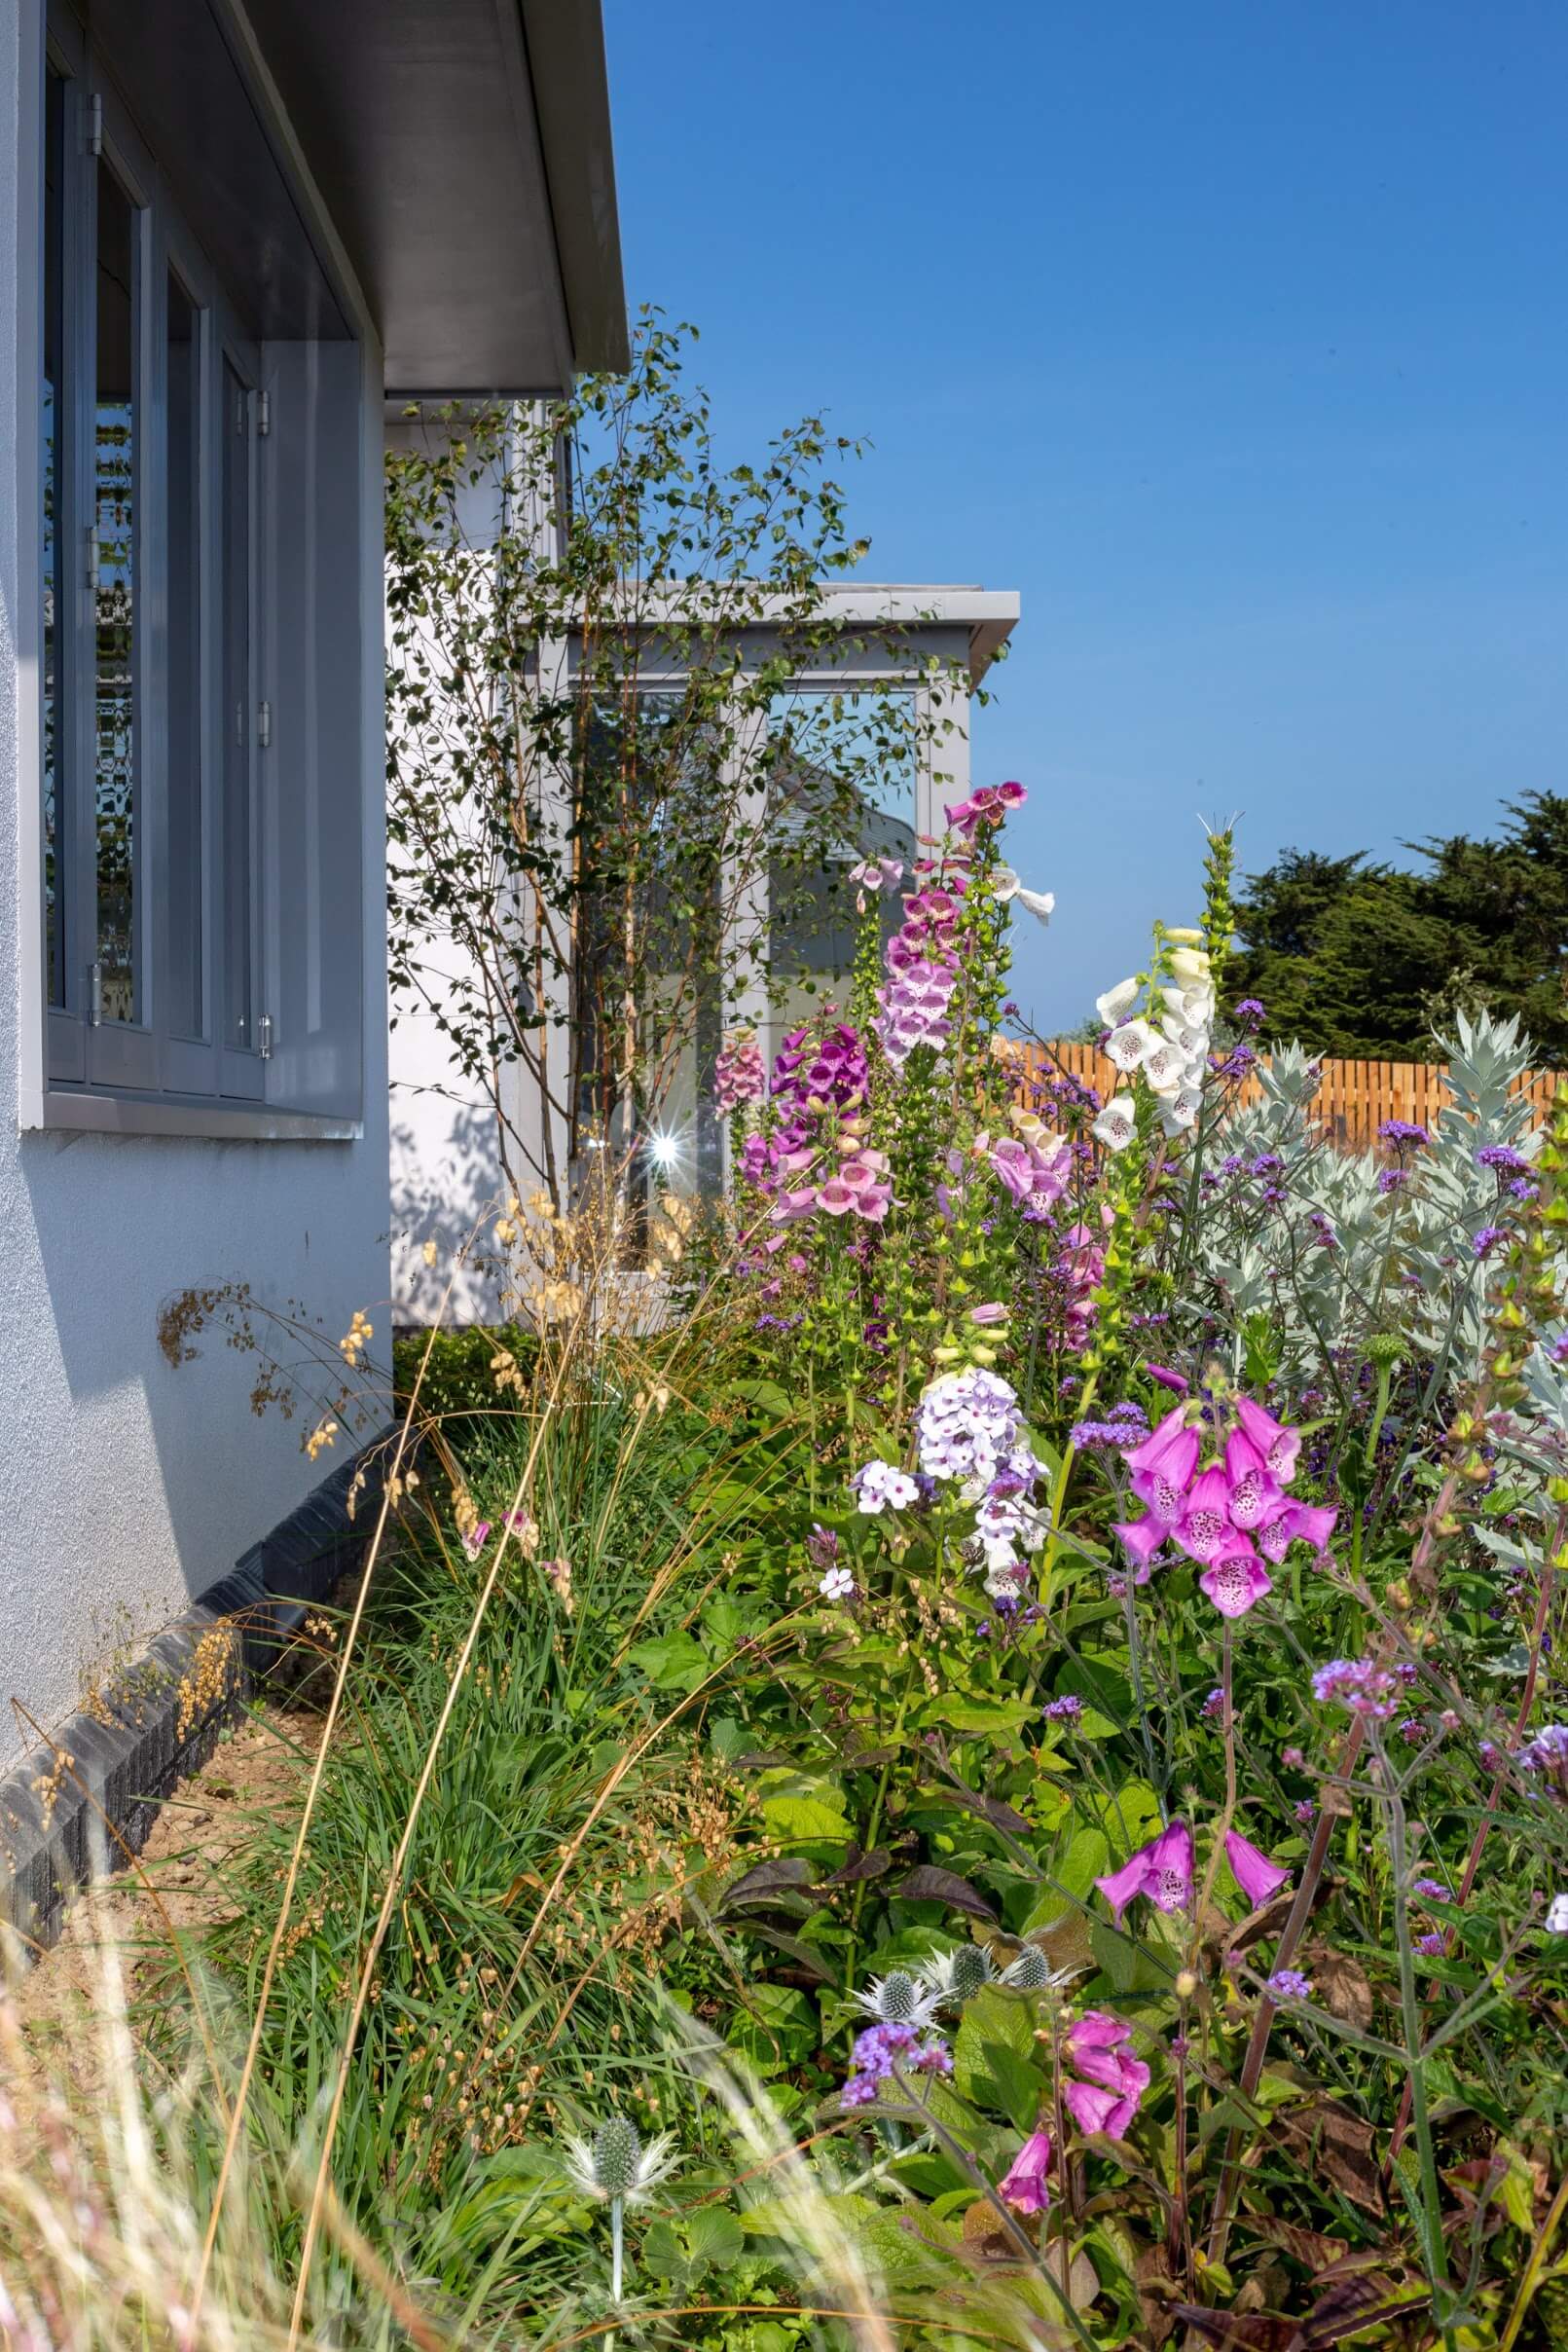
column 1116, row 1001
column 1118, row 1122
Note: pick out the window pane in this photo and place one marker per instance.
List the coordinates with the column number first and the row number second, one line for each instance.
column 53, row 420
column 841, row 783
column 114, row 514
column 237, row 713
column 184, row 355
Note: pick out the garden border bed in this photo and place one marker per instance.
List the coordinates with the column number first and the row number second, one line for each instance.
column 162, row 1720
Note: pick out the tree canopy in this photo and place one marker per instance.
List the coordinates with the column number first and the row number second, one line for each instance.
column 1359, row 958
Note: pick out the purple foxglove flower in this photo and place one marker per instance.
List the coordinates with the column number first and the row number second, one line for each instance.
column 1278, row 1446
column 1099, row 2048
column 1162, row 1870
column 1096, row 2110
column 1205, row 1530
column 1023, row 2185
column 1170, row 1432
column 1286, row 1523
column 1141, row 1538
column 1313, row 1523
column 1259, row 1879
column 1236, row 1580
column 1167, row 1378
column 1252, row 1489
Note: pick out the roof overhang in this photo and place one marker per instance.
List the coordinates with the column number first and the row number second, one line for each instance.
column 460, row 150
column 987, row 617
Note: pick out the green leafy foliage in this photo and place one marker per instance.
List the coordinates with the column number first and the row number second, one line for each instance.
column 1362, row 959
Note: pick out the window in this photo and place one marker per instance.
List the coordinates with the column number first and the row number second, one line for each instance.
column 201, row 572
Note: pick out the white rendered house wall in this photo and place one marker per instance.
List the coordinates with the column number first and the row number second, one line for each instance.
column 125, row 1485
column 449, row 1181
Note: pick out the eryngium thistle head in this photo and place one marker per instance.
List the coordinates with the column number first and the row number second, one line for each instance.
column 897, row 1999
column 968, row 1969
column 617, row 2152
column 615, row 2165
column 901, row 1998
column 1031, row 1972
column 955, row 1976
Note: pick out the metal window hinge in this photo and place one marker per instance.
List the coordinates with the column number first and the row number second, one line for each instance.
column 264, row 724
column 96, row 996
column 263, row 414
column 96, row 124
column 264, row 1037
column 94, row 555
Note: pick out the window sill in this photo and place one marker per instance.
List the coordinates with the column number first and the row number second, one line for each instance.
column 103, row 1113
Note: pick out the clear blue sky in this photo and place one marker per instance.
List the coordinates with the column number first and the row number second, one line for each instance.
column 1231, row 334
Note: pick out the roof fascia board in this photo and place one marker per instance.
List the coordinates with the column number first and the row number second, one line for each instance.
column 241, row 34
column 564, row 44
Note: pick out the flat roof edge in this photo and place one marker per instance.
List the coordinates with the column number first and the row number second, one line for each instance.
column 565, row 41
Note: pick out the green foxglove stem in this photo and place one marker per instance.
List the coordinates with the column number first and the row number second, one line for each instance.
column 1047, row 1585
column 1393, row 1809
column 1385, row 1377
column 1228, row 1819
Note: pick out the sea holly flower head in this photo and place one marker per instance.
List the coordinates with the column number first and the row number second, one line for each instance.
column 1237, row 1580
column 1259, row 1879
column 897, row 1999
column 955, row 1976
column 615, row 2165
column 1029, row 1972
column 1162, row 1870
column 1023, row 2185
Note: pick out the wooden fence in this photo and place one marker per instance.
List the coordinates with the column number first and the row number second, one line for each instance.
column 1353, row 1098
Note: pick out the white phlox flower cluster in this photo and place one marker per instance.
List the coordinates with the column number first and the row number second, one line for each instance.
column 1172, row 1056
column 969, row 1431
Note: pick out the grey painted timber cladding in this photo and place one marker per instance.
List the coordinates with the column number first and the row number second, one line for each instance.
column 62, row 1824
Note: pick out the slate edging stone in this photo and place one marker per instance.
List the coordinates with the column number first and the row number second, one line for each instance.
column 135, row 1744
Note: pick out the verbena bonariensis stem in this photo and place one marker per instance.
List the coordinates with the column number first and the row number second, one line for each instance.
column 1306, row 1893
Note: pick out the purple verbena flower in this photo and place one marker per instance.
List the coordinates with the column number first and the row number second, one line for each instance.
column 1358, row 1684
column 1288, row 1984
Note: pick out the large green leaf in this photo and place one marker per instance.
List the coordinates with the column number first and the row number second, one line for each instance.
column 671, row 1662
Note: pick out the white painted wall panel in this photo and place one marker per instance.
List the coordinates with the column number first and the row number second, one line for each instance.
column 125, row 1486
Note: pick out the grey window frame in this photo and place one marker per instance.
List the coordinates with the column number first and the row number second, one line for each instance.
column 146, row 1075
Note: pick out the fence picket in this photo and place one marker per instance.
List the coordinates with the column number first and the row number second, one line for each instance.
column 1354, row 1097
